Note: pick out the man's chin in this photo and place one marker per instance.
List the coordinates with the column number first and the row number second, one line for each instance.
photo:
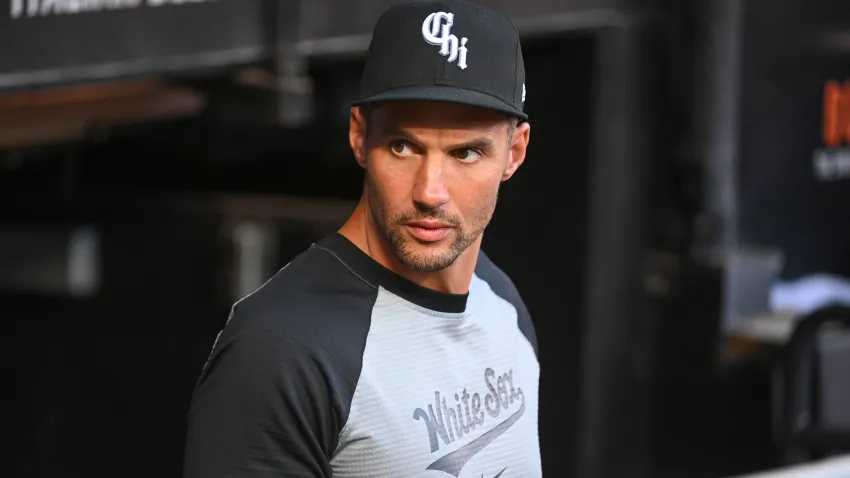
column 425, row 265
column 429, row 257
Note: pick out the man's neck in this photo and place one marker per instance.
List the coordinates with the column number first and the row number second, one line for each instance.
column 362, row 231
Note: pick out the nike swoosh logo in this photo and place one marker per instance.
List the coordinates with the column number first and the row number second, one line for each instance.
column 456, row 460
column 497, row 476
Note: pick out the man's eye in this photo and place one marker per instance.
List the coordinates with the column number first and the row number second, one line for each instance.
column 467, row 155
column 401, row 148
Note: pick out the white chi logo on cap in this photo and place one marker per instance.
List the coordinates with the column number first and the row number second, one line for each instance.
column 436, row 30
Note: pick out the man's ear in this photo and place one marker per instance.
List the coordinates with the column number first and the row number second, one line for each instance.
column 357, row 135
column 519, row 145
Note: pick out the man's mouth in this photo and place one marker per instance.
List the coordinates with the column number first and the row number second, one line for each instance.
column 428, row 230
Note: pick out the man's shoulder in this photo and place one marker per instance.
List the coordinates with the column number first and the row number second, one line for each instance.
column 497, row 279
column 286, row 364
column 502, row 285
column 312, row 300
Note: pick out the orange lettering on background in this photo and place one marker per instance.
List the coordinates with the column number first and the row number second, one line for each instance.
column 836, row 113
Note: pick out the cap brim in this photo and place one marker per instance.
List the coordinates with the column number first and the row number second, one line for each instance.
column 446, row 94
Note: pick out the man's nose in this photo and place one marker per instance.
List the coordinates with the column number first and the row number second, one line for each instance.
column 430, row 191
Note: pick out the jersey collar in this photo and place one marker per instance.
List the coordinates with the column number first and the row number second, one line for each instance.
column 377, row 275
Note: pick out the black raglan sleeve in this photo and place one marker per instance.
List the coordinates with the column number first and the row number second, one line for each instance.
column 277, row 388
column 262, row 408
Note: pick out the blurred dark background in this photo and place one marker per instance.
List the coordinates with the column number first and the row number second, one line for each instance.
column 159, row 163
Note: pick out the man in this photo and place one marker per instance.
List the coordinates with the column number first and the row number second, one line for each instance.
column 394, row 348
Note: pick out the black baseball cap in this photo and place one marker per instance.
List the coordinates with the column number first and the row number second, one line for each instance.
column 452, row 51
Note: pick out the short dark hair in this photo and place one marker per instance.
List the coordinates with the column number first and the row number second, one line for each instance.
column 513, row 122
column 367, row 110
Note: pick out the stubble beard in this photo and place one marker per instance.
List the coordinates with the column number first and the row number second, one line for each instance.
column 404, row 247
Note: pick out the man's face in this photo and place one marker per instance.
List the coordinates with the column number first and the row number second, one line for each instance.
column 433, row 172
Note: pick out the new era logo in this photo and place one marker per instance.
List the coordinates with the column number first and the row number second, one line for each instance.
column 436, row 30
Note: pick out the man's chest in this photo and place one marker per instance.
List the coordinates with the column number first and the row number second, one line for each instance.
column 443, row 398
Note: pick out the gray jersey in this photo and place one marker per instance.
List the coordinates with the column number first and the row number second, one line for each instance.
column 339, row 367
